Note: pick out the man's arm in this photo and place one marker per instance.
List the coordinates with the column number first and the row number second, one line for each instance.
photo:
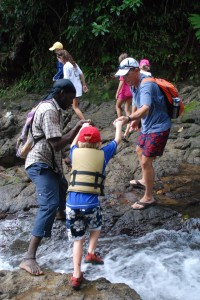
column 60, row 142
column 136, row 115
column 139, row 113
column 75, row 141
column 134, row 108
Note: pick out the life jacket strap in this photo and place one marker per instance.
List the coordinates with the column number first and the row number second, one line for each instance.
column 96, row 175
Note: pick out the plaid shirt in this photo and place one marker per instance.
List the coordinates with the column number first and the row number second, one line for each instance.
column 47, row 123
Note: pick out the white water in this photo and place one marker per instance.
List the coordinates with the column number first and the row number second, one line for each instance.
column 163, row 265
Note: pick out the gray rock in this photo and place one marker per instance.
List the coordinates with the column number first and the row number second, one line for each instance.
column 54, row 286
column 139, row 222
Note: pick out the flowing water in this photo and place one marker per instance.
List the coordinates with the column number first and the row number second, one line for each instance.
column 162, row 265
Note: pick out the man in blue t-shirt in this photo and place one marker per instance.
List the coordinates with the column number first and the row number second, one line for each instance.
column 83, row 211
column 57, row 46
column 150, row 108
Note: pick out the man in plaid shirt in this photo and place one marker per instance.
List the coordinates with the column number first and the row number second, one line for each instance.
column 44, row 165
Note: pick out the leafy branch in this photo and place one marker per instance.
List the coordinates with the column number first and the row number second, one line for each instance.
column 195, row 22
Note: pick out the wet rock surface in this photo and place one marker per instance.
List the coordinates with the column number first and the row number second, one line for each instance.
column 17, row 285
column 138, row 223
column 176, row 191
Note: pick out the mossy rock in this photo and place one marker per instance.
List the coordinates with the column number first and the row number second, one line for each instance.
column 191, row 113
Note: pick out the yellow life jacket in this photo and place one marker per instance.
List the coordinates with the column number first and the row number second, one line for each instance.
column 86, row 175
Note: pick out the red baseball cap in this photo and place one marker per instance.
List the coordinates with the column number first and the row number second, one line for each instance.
column 89, row 134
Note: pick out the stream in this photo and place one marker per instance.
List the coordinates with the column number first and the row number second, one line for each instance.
column 162, row 265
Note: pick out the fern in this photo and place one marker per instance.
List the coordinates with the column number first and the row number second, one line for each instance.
column 195, row 22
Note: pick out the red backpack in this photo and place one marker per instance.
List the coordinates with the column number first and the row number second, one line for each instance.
column 169, row 91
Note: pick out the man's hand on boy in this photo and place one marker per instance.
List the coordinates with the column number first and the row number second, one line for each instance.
column 82, row 122
column 86, row 125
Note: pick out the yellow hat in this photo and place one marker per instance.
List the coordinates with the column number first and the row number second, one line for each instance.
column 56, row 45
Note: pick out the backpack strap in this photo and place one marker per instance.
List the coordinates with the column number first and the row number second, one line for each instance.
column 148, row 79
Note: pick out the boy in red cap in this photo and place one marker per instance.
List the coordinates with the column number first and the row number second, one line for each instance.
column 83, row 209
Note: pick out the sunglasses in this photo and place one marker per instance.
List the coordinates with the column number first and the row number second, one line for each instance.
column 127, row 67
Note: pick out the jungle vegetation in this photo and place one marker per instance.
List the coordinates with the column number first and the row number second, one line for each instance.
column 96, row 32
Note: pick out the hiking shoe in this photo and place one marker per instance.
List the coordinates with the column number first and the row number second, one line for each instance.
column 94, row 259
column 76, row 282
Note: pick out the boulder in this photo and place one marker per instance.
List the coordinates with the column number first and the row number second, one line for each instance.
column 17, row 285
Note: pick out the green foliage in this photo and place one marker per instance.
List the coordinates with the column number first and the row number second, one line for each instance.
column 20, row 87
column 102, row 28
column 103, row 90
column 31, row 83
column 104, row 22
column 3, row 92
column 131, row 5
column 26, row 34
column 91, row 74
column 195, row 21
column 93, row 28
column 27, row 84
column 96, row 33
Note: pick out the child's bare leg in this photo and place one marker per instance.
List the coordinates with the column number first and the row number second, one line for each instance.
column 77, row 257
column 118, row 108
column 126, row 133
column 77, row 109
column 127, row 107
column 94, row 235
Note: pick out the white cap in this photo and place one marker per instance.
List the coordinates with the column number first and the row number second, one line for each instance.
column 126, row 65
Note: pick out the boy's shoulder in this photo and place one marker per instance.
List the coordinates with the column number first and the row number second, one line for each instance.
column 112, row 144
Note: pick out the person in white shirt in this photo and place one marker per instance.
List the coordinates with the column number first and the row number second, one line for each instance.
column 72, row 72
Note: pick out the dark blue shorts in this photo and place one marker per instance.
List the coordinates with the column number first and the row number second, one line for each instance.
column 51, row 191
column 153, row 144
column 79, row 220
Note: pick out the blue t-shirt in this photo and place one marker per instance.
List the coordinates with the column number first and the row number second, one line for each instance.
column 149, row 94
column 77, row 200
column 59, row 74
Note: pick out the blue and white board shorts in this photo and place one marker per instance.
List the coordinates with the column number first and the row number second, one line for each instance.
column 80, row 220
